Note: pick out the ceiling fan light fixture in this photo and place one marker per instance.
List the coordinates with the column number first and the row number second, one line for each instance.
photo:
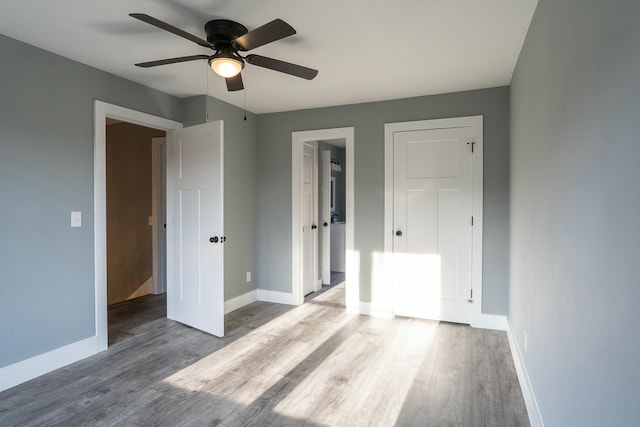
column 226, row 65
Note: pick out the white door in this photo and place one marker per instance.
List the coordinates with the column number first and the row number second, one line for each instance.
column 309, row 224
column 326, row 217
column 432, row 223
column 195, row 280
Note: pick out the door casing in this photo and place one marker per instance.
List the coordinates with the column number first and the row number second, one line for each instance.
column 102, row 110
column 351, row 275
column 478, row 319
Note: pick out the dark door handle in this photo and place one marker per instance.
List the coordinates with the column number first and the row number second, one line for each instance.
column 213, row 239
column 398, row 233
column 313, row 227
column 325, row 224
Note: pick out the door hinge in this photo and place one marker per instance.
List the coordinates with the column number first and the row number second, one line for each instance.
column 472, row 221
column 472, row 144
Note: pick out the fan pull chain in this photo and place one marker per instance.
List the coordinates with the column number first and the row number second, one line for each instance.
column 206, row 103
column 245, row 99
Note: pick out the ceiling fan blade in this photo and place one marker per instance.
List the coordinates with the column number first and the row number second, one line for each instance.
column 282, row 66
column 269, row 32
column 171, row 61
column 167, row 27
column 234, row 83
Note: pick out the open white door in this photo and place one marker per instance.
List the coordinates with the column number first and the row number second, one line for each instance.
column 309, row 220
column 195, row 249
column 326, row 216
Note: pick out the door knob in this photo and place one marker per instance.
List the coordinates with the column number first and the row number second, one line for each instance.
column 398, row 233
column 213, row 239
column 313, row 227
column 325, row 224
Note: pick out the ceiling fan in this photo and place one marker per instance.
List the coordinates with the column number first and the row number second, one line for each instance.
column 228, row 38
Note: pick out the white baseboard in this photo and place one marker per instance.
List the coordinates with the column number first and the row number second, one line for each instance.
column 490, row 321
column 28, row 369
column 535, row 417
column 240, row 301
column 368, row 310
column 276, row 296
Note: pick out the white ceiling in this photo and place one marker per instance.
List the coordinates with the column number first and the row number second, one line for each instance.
column 365, row 50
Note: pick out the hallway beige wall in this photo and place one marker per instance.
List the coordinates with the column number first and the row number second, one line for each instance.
column 129, row 251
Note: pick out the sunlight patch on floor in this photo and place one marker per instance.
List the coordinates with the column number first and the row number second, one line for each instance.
column 245, row 369
column 374, row 371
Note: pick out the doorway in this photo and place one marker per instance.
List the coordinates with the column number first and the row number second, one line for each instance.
column 102, row 111
column 299, row 139
column 131, row 269
column 332, row 216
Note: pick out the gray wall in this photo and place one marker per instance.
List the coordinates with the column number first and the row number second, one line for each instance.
column 240, row 176
column 274, row 183
column 46, row 171
column 575, row 199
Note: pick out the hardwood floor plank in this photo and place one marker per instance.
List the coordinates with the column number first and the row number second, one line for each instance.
column 312, row 365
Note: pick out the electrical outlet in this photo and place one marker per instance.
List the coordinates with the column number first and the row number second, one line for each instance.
column 248, row 276
column 76, row 219
column 526, row 342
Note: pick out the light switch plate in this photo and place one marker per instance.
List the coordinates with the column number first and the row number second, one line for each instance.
column 248, row 276
column 76, row 219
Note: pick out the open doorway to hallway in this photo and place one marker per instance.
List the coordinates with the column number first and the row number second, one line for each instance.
column 312, row 233
column 135, row 226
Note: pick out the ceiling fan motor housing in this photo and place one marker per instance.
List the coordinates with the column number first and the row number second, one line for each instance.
column 222, row 32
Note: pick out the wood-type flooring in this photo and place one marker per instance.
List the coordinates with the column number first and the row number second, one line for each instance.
column 312, row 365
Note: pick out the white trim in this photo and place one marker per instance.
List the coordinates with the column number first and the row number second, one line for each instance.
column 276, row 297
column 476, row 123
column 25, row 370
column 240, row 301
column 351, row 277
column 102, row 110
column 367, row 309
column 535, row 416
column 490, row 321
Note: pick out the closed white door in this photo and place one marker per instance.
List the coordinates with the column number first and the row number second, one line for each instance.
column 309, row 215
column 195, row 236
column 326, row 217
column 432, row 223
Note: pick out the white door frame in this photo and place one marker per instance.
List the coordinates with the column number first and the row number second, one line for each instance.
column 478, row 319
column 102, row 110
column 297, row 141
